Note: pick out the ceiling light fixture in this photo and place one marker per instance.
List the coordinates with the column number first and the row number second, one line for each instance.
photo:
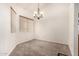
column 38, row 14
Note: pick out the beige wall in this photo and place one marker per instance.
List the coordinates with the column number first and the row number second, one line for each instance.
column 9, row 40
column 54, row 26
column 71, row 28
column 76, row 11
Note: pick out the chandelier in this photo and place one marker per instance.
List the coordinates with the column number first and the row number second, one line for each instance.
column 38, row 14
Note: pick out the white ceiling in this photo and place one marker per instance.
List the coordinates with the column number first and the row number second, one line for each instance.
column 43, row 6
column 31, row 7
column 49, row 9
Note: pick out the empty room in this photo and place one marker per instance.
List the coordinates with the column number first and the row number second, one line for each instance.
column 37, row 29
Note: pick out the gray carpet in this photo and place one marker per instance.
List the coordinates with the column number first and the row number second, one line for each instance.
column 40, row 48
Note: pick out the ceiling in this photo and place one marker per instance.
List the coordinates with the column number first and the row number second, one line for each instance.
column 31, row 7
column 48, row 8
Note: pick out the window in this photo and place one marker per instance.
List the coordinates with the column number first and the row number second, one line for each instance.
column 26, row 24
column 30, row 26
column 13, row 20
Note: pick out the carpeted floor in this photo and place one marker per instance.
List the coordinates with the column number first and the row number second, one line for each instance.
column 40, row 48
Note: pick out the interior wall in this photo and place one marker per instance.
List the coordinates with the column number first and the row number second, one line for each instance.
column 54, row 26
column 76, row 31
column 71, row 28
column 7, row 39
